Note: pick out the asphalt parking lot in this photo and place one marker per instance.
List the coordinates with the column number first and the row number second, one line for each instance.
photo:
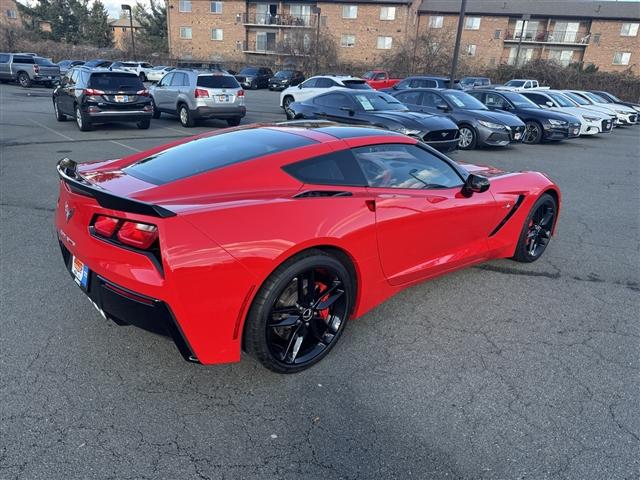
column 502, row 371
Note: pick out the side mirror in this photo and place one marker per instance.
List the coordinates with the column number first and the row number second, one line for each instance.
column 475, row 184
column 549, row 104
column 348, row 110
column 299, row 85
column 442, row 107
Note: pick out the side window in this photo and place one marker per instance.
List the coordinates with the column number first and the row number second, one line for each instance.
column 4, row 58
column 405, row 166
column 74, row 77
column 325, row 83
column 404, row 84
column 379, row 76
column 311, row 83
column 166, row 80
column 493, row 100
column 411, row 98
column 179, row 80
column 333, row 100
column 338, row 168
column 536, row 98
column 430, row 99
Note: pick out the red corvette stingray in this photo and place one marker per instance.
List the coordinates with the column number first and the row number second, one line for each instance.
column 271, row 237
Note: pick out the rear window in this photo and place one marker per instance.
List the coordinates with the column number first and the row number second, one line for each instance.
column 356, row 84
column 249, row 71
column 217, row 81
column 45, row 62
column 115, row 81
column 23, row 60
column 209, row 153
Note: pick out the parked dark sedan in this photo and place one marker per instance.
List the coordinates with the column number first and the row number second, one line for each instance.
column 254, row 77
column 102, row 96
column 285, row 78
column 423, row 81
column 540, row 124
column 611, row 98
column 478, row 125
column 65, row 65
column 369, row 107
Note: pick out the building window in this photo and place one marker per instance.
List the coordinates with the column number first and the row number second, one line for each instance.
column 436, row 22
column 497, row 34
column 384, row 43
column 492, row 61
column 215, row 7
column 350, row 11
column 563, row 57
column 471, row 50
column 622, row 58
column 629, row 29
column 185, row 33
column 472, row 23
column 347, row 40
column 184, row 6
column 14, row 14
column 387, row 13
column 216, row 34
column 596, row 38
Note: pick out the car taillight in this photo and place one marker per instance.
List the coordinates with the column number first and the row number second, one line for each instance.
column 133, row 234
column 36, row 68
column 139, row 235
column 143, row 93
column 241, row 93
column 105, row 226
column 93, row 91
column 200, row 93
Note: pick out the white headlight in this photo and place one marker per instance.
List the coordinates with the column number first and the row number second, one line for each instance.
column 495, row 126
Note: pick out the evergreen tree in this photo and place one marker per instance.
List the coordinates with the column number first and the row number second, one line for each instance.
column 98, row 32
column 153, row 25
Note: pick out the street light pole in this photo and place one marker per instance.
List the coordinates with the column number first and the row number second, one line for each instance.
column 317, row 11
column 525, row 18
column 456, row 49
column 124, row 6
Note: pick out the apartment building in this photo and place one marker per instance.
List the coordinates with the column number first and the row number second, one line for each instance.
column 272, row 31
column 121, row 28
column 9, row 14
column 602, row 33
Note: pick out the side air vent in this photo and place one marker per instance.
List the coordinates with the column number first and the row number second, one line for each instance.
column 322, row 193
column 513, row 210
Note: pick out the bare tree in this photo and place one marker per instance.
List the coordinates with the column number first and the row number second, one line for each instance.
column 306, row 49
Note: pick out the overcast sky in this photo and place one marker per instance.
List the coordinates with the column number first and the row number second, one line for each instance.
column 114, row 6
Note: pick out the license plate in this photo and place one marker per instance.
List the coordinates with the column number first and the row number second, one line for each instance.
column 80, row 272
column 122, row 98
column 516, row 136
column 222, row 98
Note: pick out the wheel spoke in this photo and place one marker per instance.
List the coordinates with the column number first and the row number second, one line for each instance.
column 328, row 291
column 290, row 344
column 330, row 300
column 288, row 321
column 547, row 218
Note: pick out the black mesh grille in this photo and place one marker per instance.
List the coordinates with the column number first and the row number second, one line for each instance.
column 440, row 135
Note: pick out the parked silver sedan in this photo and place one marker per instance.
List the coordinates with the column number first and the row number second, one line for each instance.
column 192, row 95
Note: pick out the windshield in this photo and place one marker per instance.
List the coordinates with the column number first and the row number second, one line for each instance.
column 369, row 75
column 284, row 74
column 113, row 81
column 594, row 97
column 217, row 81
column 249, row 71
column 577, row 98
column 520, row 100
column 464, row 100
column 160, row 67
column 379, row 102
column 515, row 83
column 561, row 100
column 356, row 85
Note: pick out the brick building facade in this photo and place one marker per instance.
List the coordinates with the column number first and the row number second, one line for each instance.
column 603, row 33
column 9, row 14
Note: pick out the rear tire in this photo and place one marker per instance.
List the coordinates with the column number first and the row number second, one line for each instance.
column 536, row 231
column 144, row 124
column 233, row 122
column 185, row 116
column 59, row 116
column 24, row 80
column 312, row 332
column 82, row 120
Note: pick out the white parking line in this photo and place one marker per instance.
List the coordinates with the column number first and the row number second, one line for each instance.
column 125, row 146
column 51, row 130
column 183, row 132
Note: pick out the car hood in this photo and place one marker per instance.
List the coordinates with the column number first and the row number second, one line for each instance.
column 416, row 121
column 484, row 170
column 617, row 106
column 499, row 117
column 581, row 112
column 544, row 113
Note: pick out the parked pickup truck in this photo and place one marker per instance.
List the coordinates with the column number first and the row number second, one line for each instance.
column 380, row 79
column 521, row 84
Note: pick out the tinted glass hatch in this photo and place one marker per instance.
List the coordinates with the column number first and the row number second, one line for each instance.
column 113, row 81
column 217, row 81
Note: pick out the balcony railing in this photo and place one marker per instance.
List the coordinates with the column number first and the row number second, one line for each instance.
column 556, row 36
column 270, row 47
column 280, row 20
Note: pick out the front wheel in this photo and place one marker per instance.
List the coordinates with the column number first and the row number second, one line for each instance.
column 299, row 313
column 536, row 231
column 532, row 132
column 286, row 103
column 59, row 116
column 468, row 138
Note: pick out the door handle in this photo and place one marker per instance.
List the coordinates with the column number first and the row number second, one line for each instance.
column 435, row 198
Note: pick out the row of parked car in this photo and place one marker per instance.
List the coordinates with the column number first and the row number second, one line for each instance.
column 449, row 118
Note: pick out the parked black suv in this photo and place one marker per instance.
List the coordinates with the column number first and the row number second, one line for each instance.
column 102, row 96
column 285, row 78
column 254, row 77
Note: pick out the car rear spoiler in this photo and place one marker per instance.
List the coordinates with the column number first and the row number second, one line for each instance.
column 68, row 172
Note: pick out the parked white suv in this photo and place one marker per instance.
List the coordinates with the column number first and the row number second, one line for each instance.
column 317, row 85
column 139, row 68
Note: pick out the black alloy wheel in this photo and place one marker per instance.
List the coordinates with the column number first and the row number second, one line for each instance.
column 532, row 132
column 536, row 232
column 299, row 313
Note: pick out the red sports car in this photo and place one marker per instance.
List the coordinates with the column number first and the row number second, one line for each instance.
column 269, row 238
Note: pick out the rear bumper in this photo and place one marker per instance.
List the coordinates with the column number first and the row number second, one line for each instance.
column 220, row 112
column 45, row 78
column 120, row 116
column 125, row 307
